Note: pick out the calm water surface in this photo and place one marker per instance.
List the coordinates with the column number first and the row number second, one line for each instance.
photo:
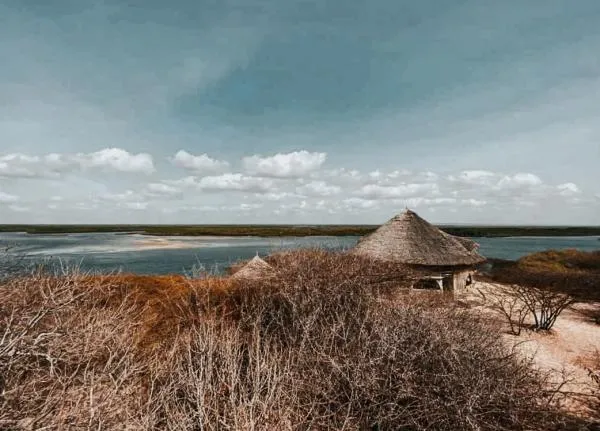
column 161, row 255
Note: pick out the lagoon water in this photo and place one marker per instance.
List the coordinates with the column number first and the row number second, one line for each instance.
column 163, row 255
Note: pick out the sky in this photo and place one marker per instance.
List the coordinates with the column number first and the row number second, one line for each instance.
column 298, row 111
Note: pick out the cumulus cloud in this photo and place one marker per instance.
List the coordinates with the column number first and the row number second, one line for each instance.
column 318, row 188
column 520, row 180
column 352, row 204
column 290, row 165
column 53, row 164
column 24, row 165
column 275, row 196
column 494, row 180
column 419, row 202
column 340, row 193
column 474, row 177
column 117, row 159
column 474, row 202
column 341, row 176
column 568, row 189
column 129, row 200
column 486, row 185
column 224, row 182
column 375, row 191
column 161, row 189
column 235, row 182
column 201, row 164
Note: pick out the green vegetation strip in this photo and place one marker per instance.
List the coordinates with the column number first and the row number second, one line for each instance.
column 294, row 230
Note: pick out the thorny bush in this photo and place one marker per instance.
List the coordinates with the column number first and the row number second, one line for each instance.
column 331, row 342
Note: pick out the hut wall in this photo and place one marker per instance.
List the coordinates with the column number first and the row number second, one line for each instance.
column 460, row 280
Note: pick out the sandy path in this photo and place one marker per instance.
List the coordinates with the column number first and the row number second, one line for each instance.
column 564, row 352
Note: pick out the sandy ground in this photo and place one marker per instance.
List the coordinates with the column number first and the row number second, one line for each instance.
column 565, row 352
column 149, row 243
column 162, row 243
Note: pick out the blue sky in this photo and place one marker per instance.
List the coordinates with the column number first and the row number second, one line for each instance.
column 262, row 111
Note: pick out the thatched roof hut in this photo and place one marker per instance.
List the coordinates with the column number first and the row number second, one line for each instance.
column 256, row 268
column 409, row 239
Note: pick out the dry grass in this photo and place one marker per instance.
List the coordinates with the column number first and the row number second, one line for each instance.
column 563, row 261
column 327, row 344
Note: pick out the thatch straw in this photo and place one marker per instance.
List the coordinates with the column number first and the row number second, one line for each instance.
column 254, row 269
column 409, row 239
column 467, row 243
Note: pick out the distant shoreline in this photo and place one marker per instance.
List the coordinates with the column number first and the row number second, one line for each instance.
column 297, row 230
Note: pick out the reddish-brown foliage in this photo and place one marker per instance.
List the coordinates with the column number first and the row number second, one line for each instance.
column 326, row 344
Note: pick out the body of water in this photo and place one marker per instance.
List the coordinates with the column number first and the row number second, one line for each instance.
column 163, row 255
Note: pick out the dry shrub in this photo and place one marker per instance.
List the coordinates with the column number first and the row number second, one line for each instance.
column 511, row 307
column 529, row 295
column 582, row 286
column 594, row 371
column 554, row 278
column 327, row 344
column 591, row 399
column 61, row 361
column 564, row 261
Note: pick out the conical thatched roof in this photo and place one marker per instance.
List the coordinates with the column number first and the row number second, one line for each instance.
column 255, row 268
column 409, row 239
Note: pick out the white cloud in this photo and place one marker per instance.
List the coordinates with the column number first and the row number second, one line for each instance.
column 291, row 165
column 53, row 164
column 568, row 189
column 474, row 202
column 139, row 206
column 118, row 160
column 376, row 175
column 275, row 196
column 162, row 189
column 427, row 176
column 474, row 177
column 359, row 203
column 331, row 196
column 374, row 191
column 248, row 207
column 341, row 176
column 298, row 206
column 417, row 202
column 223, row 182
column 521, row 180
column 236, row 182
column 24, row 165
column 318, row 188
column 185, row 182
column 201, row 164
column 6, row 198
column 128, row 195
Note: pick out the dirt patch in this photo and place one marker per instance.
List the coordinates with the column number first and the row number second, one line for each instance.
column 565, row 351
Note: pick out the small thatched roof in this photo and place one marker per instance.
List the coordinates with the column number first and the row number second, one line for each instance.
column 467, row 243
column 409, row 239
column 255, row 268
